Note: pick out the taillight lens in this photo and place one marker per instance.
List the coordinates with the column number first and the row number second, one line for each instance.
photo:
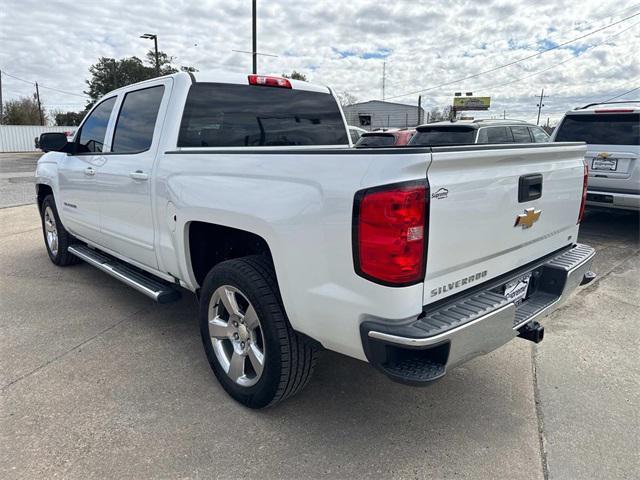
column 390, row 233
column 585, row 180
column 265, row 81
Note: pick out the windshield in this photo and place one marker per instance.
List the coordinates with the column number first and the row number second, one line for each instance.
column 601, row 129
column 382, row 140
column 445, row 135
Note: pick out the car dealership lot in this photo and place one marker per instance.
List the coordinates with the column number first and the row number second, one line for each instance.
column 97, row 381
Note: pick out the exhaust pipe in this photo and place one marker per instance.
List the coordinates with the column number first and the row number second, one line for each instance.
column 532, row 331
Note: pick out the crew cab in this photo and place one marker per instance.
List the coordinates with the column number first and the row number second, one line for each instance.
column 611, row 131
column 243, row 190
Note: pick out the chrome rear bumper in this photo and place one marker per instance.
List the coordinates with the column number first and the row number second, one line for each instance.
column 472, row 323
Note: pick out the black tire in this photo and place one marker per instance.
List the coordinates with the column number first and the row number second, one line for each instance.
column 289, row 358
column 61, row 256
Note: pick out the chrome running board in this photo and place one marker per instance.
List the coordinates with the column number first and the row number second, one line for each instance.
column 143, row 282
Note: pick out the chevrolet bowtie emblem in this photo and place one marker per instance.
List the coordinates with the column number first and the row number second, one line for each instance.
column 603, row 155
column 528, row 218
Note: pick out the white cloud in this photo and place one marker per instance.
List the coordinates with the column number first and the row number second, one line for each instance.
column 340, row 44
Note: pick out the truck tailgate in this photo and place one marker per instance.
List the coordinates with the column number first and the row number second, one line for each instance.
column 474, row 233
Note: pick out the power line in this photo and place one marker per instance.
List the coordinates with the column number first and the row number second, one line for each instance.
column 621, row 95
column 562, row 62
column 583, row 26
column 4, row 72
column 555, row 47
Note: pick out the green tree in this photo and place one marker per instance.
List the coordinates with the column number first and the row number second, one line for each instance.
column 23, row 111
column 295, row 76
column 71, row 119
column 109, row 73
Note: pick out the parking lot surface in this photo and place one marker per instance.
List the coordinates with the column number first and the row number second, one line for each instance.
column 97, row 381
column 16, row 178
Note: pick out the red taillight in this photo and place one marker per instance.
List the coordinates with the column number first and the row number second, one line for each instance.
column 585, row 180
column 390, row 233
column 265, row 81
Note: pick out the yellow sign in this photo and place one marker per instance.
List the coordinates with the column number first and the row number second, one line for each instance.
column 471, row 103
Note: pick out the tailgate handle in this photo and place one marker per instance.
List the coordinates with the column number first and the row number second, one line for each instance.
column 530, row 187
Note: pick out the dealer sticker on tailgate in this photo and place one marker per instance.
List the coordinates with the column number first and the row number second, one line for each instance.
column 516, row 290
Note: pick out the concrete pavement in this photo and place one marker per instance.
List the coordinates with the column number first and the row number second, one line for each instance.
column 96, row 381
column 17, row 178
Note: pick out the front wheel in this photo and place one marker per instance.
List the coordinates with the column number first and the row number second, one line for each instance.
column 56, row 238
column 253, row 351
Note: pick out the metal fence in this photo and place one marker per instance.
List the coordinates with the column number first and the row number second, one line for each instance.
column 21, row 138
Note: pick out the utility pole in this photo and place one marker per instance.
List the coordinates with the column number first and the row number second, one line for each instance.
column 540, row 105
column 384, row 78
column 39, row 105
column 504, row 114
column 254, row 49
column 254, row 39
column 115, row 78
column 419, row 109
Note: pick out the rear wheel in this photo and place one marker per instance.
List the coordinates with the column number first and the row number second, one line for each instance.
column 253, row 351
column 56, row 238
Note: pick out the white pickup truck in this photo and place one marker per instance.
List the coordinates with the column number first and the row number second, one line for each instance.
column 244, row 190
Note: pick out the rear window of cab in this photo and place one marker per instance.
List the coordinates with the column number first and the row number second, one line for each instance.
column 444, row 135
column 230, row 115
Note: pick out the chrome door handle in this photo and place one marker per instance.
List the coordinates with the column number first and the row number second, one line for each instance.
column 89, row 171
column 139, row 175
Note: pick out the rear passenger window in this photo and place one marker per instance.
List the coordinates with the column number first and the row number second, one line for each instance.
column 521, row 135
column 94, row 128
column 137, row 120
column 494, row 135
column 539, row 135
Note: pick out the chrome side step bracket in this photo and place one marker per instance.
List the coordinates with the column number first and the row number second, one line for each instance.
column 145, row 283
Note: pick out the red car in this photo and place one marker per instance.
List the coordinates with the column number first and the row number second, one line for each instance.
column 385, row 138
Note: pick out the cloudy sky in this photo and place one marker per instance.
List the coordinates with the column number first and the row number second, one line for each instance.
column 343, row 44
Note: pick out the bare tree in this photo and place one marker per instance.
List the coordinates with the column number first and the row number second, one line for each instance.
column 345, row 98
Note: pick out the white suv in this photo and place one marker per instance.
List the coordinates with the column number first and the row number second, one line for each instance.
column 612, row 133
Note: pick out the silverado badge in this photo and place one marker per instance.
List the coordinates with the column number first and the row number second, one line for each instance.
column 528, row 218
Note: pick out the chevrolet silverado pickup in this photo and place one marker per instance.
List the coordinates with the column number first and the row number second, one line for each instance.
column 245, row 190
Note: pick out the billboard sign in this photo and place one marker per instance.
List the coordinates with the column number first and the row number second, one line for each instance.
column 471, row 103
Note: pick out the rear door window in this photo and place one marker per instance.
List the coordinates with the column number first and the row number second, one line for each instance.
column 94, row 128
column 445, row 135
column 521, row 135
column 376, row 141
column 229, row 115
column 539, row 135
column 495, row 135
column 137, row 120
column 603, row 129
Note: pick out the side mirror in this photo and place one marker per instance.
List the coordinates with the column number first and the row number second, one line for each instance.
column 53, row 142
